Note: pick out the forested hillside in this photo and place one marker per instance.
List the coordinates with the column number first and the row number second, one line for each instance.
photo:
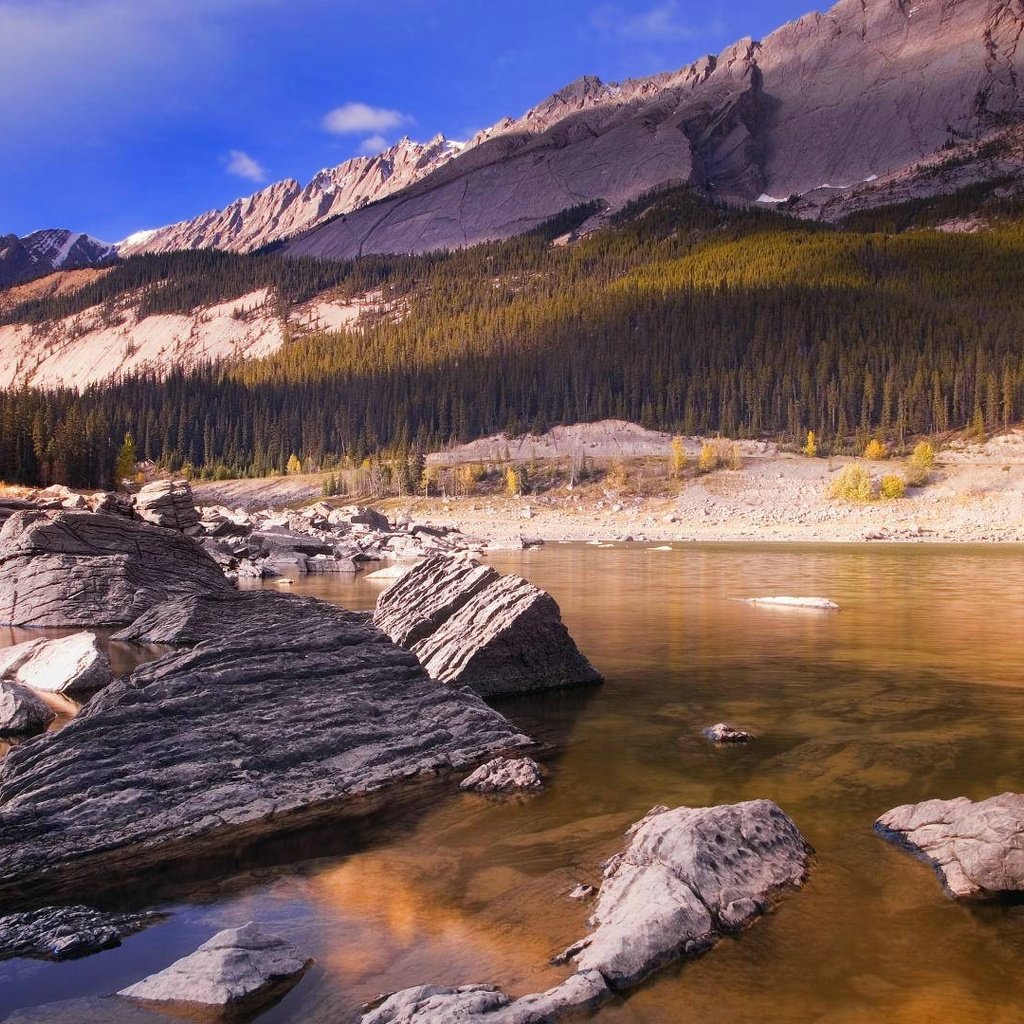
column 678, row 314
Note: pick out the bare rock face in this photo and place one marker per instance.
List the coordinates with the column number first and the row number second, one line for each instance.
column 689, row 876
column 42, row 252
column 236, row 966
column 505, row 775
column 71, row 568
column 471, row 626
column 62, row 933
column 976, row 848
column 256, row 731
column 22, row 713
column 72, row 665
column 286, row 207
column 167, row 503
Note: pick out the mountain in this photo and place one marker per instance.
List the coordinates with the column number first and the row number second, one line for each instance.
column 43, row 252
column 286, row 207
column 829, row 107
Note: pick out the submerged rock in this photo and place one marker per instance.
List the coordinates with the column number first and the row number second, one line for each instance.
column 236, row 966
column 688, row 877
column 471, row 626
column 61, row 933
column 257, row 731
column 813, row 603
column 505, row 775
column 721, row 732
column 976, row 848
column 72, row 665
column 61, row 568
column 167, row 503
column 22, row 713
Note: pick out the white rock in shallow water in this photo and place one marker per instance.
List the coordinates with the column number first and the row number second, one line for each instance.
column 22, row 713
column 233, row 966
column 505, row 775
column 822, row 603
column 977, row 849
column 721, row 732
column 73, row 665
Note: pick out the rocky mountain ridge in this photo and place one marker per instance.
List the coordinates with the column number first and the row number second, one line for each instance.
column 49, row 250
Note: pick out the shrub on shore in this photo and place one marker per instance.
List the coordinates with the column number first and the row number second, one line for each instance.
column 893, row 486
column 718, row 454
column 921, row 461
column 875, row 451
column 852, row 483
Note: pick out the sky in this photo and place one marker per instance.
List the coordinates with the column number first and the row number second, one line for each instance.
column 121, row 115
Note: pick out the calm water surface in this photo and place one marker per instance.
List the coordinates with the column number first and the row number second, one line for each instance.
column 915, row 689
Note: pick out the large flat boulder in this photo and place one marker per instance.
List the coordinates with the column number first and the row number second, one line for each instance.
column 167, row 503
column 75, row 666
column 236, row 966
column 975, row 847
column 78, row 568
column 258, row 731
column 471, row 626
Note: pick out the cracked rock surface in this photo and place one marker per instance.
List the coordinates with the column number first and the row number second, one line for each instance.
column 976, row 848
column 471, row 626
column 81, row 568
column 61, row 933
column 243, row 735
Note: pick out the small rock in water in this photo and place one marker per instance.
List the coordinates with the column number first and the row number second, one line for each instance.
column 976, row 848
column 236, row 965
column 71, row 665
column 582, row 892
column 61, row 933
column 724, row 733
column 22, row 713
column 820, row 603
column 505, row 775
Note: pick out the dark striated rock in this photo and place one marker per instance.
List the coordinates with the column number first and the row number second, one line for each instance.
column 167, row 503
column 61, row 933
column 470, row 626
column 505, row 775
column 69, row 568
column 688, row 877
column 259, row 731
column 22, row 713
column 976, row 848
column 237, row 966
column 187, row 621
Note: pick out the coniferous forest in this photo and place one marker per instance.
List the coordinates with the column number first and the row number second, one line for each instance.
column 679, row 314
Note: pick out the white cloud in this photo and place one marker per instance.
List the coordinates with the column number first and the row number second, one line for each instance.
column 242, row 165
column 359, row 118
column 373, row 145
column 660, row 23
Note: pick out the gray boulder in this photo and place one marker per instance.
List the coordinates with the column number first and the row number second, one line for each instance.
column 976, row 848
column 723, row 733
column 62, row 933
column 74, row 666
column 358, row 515
column 22, row 713
column 688, row 877
column 69, row 568
column 257, row 731
column 471, row 626
column 236, row 966
column 167, row 503
column 505, row 775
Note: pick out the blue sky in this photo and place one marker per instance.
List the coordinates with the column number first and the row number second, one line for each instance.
column 118, row 115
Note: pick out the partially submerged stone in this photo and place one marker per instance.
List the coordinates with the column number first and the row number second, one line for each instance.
column 976, row 848
column 236, row 966
column 63, row 568
column 723, row 733
column 22, row 713
column 74, row 666
column 471, row 626
column 62, row 933
column 688, row 877
column 505, row 775
column 167, row 503
column 255, row 732
column 812, row 603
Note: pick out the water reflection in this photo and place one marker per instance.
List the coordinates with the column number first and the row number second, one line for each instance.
column 913, row 689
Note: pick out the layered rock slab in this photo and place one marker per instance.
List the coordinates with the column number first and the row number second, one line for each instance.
column 167, row 503
column 61, row 933
column 976, row 848
column 22, row 713
column 78, row 568
column 471, row 626
column 74, row 666
column 252, row 733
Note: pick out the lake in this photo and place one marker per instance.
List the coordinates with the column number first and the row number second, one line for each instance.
column 913, row 689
